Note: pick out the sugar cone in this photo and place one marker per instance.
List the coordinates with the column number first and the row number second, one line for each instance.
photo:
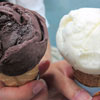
column 21, row 79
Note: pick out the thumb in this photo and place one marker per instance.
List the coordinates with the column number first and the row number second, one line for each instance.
column 25, row 92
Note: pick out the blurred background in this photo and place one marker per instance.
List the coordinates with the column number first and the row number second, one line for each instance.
column 55, row 9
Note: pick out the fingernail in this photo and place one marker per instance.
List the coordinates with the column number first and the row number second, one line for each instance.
column 39, row 87
column 45, row 62
column 43, row 66
column 44, row 83
column 82, row 95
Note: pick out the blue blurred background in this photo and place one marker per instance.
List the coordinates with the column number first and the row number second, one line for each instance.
column 55, row 9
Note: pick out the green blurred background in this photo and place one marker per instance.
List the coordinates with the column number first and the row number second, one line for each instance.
column 55, row 9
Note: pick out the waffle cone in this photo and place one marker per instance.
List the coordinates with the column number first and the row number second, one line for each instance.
column 21, row 79
column 87, row 79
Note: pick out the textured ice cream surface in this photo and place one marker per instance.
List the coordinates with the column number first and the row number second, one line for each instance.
column 23, row 39
column 78, row 39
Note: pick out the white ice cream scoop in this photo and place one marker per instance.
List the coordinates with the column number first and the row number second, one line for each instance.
column 78, row 39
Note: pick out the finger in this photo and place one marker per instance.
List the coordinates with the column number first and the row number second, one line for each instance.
column 25, row 92
column 65, row 68
column 43, row 66
column 96, row 98
column 60, row 77
column 70, row 89
column 43, row 95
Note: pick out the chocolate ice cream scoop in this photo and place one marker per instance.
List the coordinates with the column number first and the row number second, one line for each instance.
column 23, row 39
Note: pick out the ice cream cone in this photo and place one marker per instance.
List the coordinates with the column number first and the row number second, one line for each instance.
column 78, row 39
column 23, row 43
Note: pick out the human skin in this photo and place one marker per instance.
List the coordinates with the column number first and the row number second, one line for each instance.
column 59, row 76
column 35, row 90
